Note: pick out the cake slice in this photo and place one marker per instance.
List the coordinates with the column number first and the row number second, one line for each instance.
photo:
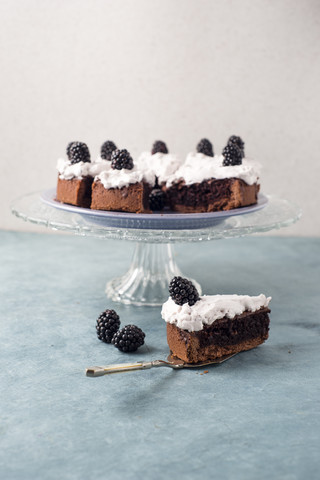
column 75, row 191
column 211, row 326
column 131, row 197
column 208, row 182
column 75, row 175
column 123, row 187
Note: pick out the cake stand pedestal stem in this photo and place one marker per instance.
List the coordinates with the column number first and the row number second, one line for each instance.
column 147, row 280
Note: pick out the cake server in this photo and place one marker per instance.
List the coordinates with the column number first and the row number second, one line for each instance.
column 172, row 362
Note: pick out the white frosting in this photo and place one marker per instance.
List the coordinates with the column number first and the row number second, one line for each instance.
column 161, row 164
column 199, row 167
column 210, row 308
column 67, row 170
column 120, row 178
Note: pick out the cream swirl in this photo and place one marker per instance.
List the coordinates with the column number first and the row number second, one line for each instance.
column 162, row 165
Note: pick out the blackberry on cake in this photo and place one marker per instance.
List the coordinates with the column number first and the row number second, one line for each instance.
column 157, row 199
column 121, row 159
column 183, row 291
column 216, row 326
column 108, row 324
column 106, row 150
column 159, row 147
column 68, row 148
column 128, row 339
column 232, row 155
column 78, row 152
column 237, row 141
column 205, row 147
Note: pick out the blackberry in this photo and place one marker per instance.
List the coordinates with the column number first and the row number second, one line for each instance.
column 78, row 152
column 205, row 147
column 121, row 159
column 156, row 199
column 238, row 141
column 68, row 148
column 159, row 147
column 107, row 149
column 108, row 324
column 232, row 155
column 128, row 339
column 183, row 291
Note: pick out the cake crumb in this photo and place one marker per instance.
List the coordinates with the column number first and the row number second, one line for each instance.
column 205, row 371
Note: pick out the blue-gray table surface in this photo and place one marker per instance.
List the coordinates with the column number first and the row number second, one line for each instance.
column 253, row 417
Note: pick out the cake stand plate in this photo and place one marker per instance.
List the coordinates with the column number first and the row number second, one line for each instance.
column 153, row 264
column 165, row 220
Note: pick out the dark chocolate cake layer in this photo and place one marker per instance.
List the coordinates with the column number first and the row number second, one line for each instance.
column 211, row 195
column 223, row 337
column 226, row 331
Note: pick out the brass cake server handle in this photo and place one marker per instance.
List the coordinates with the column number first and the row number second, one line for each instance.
column 172, row 362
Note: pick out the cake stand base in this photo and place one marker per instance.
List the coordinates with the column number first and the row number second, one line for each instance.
column 147, row 280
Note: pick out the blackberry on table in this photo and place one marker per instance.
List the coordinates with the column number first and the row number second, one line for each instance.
column 108, row 324
column 78, row 152
column 205, row 147
column 183, row 291
column 129, row 338
column 159, row 147
column 106, row 149
column 238, row 141
column 121, row 159
column 157, row 199
column 232, row 155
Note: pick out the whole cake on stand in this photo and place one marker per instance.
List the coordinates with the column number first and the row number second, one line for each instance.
column 204, row 182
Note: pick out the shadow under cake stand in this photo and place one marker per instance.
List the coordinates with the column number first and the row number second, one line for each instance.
column 153, row 264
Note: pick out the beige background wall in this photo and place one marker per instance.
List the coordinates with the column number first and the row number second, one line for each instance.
column 138, row 70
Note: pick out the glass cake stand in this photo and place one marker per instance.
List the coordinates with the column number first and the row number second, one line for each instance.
column 153, row 264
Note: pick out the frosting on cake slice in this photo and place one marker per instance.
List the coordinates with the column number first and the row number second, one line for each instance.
column 199, row 167
column 161, row 165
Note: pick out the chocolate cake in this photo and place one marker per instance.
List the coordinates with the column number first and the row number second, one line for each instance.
column 76, row 191
column 123, row 187
column 224, row 337
column 211, row 195
column 76, row 175
column 206, row 183
column 129, row 198
column 215, row 325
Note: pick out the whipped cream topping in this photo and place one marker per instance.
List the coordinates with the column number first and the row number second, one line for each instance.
column 161, row 164
column 67, row 170
column 199, row 167
column 121, row 178
column 210, row 308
